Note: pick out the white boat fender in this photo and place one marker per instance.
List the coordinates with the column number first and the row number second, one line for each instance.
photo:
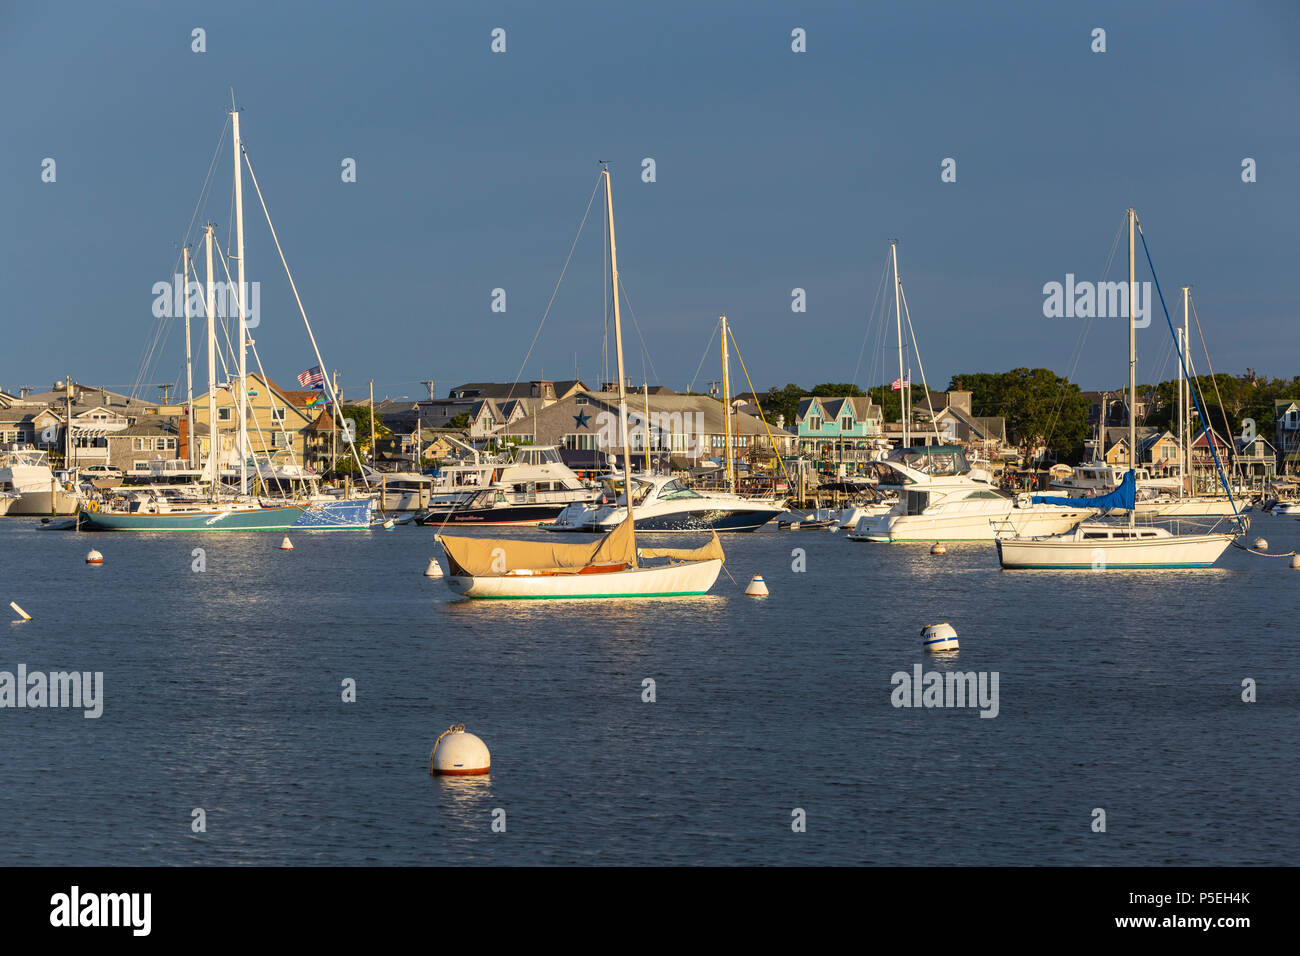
column 939, row 637
column 94, row 557
column 1295, row 561
column 1260, row 544
column 286, row 544
column 388, row 525
column 434, row 570
column 457, row 753
column 757, row 586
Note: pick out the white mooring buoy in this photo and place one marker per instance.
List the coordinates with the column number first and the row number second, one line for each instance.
column 23, row 615
column 1260, row 544
column 434, row 570
column 939, row 548
column 286, row 544
column 1295, row 561
column 939, row 637
column 457, row 753
column 94, row 557
column 757, row 587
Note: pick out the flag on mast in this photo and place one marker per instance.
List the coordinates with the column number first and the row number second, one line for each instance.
column 900, row 383
column 312, row 378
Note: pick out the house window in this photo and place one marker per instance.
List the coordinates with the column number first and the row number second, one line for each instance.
column 277, row 414
column 280, row 440
column 814, row 423
column 580, row 400
column 225, row 414
column 846, row 424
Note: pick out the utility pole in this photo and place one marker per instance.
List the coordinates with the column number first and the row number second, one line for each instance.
column 429, row 385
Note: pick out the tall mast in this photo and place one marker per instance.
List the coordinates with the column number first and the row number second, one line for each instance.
column 1184, row 410
column 618, row 342
column 189, row 365
column 898, row 313
column 1132, row 354
column 214, row 457
column 726, row 410
column 372, row 424
column 243, row 329
column 1186, row 436
column 646, row 429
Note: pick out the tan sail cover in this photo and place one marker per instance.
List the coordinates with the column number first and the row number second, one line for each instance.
column 486, row 557
column 711, row 550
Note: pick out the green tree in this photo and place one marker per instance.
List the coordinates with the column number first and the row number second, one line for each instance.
column 462, row 421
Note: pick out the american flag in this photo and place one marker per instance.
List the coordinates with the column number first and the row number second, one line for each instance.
column 899, row 383
column 312, row 378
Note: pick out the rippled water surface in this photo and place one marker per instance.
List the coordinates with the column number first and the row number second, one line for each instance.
column 1120, row 691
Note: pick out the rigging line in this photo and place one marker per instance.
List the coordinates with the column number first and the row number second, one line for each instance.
column 635, row 324
column 916, row 349
column 1205, row 421
column 708, row 347
column 866, row 332
column 554, row 292
column 1073, row 365
column 1227, row 428
column 338, row 407
column 762, row 417
column 143, row 371
column 265, row 381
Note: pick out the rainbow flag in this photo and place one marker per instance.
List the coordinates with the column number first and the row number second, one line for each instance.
column 317, row 400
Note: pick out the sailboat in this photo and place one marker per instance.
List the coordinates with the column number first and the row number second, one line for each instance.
column 940, row 496
column 611, row 566
column 158, row 512
column 1110, row 546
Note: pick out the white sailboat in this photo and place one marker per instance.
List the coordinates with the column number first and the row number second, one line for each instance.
column 609, row 567
column 1110, row 546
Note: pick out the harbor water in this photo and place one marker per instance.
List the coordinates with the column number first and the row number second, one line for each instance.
column 772, row 736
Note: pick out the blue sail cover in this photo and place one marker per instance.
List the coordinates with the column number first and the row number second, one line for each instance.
column 1125, row 496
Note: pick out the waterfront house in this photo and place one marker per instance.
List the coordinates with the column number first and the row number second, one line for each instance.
column 1286, row 425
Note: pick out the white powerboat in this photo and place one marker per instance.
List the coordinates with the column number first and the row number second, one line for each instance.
column 940, row 499
column 664, row 505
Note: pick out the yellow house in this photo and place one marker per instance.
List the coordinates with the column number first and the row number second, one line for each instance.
column 277, row 422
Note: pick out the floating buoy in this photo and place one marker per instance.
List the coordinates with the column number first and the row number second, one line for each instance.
column 1295, row 561
column 939, row 637
column 1260, row 544
column 388, row 525
column 757, row 587
column 939, row 548
column 286, row 544
column 457, row 753
column 834, row 526
column 434, row 570
column 94, row 557
column 21, row 613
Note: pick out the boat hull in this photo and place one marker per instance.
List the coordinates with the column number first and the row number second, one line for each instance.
column 260, row 519
column 43, row 504
column 342, row 515
column 925, row 529
column 672, row 580
column 684, row 522
column 1185, row 551
column 492, row 517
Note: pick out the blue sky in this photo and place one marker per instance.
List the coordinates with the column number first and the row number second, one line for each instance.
column 775, row 170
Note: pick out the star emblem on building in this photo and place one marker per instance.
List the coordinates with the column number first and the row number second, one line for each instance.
column 582, row 418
